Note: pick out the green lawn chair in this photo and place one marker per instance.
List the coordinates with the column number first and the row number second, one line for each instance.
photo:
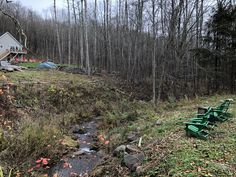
column 203, row 121
column 202, row 110
column 207, row 115
column 195, row 131
column 221, row 112
column 203, row 124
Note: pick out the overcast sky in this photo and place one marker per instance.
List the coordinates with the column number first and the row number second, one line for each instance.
column 40, row 5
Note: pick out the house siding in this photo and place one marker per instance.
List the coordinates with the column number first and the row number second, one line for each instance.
column 7, row 41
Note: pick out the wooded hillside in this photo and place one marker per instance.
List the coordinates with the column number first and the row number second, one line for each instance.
column 180, row 47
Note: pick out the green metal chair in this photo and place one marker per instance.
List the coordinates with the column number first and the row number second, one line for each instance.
column 196, row 126
column 201, row 122
column 195, row 131
column 221, row 112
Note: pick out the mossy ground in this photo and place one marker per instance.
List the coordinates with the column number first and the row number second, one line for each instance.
column 49, row 102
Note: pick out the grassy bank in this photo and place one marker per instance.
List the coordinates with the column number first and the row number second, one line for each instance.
column 168, row 151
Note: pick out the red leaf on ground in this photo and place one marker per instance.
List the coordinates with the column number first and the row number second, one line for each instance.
column 30, row 170
column 107, row 142
column 39, row 160
column 38, row 166
column 45, row 161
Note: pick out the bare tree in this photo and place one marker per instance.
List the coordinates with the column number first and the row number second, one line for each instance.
column 154, row 30
column 95, row 33
column 81, row 34
column 146, row 42
column 16, row 21
column 86, row 38
column 57, row 31
column 69, row 32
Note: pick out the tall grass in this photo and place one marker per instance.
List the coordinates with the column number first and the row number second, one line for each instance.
column 2, row 175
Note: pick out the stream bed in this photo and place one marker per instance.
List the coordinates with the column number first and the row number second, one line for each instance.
column 85, row 158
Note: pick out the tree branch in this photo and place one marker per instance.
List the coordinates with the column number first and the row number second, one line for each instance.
column 17, row 23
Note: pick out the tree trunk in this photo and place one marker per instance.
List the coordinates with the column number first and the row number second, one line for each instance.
column 86, row 39
column 69, row 32
column 154, row 52
column 57, row 31
column 95, row 34
column 82, row 35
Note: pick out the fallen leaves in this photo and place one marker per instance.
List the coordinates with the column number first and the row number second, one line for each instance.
column 38, row 166
column 107, row 142
column 38, row 161
column 103, row 140
column 45, row 161
column 42, row 162
column 30, row 170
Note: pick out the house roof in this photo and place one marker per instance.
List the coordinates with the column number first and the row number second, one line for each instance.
column 7, row 33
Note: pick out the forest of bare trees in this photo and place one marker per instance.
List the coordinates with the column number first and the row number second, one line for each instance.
column 172, row 47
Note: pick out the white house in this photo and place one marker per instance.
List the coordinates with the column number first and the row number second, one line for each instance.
column 10, row 47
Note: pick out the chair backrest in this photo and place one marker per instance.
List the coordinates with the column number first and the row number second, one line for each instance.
column 224, row 106
column 209, row 111
column 207, row 115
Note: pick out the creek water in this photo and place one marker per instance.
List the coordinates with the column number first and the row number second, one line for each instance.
column 86, row 158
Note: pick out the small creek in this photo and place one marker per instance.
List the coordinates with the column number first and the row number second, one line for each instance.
column 85, row 158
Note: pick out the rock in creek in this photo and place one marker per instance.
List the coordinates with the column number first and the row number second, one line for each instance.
column 78, row 153
column 78, row 130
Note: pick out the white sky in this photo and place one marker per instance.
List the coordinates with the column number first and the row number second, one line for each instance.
column 40, row 5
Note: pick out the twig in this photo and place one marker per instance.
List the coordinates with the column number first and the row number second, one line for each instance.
column 140, row 142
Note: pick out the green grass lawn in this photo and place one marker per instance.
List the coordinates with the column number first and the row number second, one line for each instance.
column 175, row 154
column 29, row 64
